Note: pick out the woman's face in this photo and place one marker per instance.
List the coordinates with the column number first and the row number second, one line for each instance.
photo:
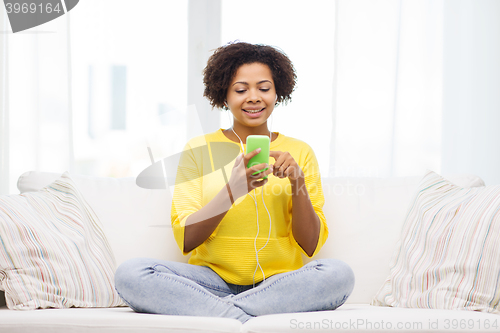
column 251, row 95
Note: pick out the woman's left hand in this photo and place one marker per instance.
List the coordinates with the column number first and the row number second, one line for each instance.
column 285, row 166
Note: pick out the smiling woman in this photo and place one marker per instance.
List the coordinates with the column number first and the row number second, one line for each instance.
column 243, row 262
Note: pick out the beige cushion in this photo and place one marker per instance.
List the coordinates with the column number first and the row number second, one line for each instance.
column 136, row 220
column 365, row 217
column 448, row 254
column 53, row 250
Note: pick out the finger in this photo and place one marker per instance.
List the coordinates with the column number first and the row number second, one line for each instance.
column 251, row 154
column 286, row 165
column 238, row 165
column 258, row 183
column 281, row 159
column 289, row 171
column 238, row 160
column 262, row 174
column 276, row 167
column 284, row 161
column 258, row 167
column 275, row 154
column 280, row 174
column 284, row 170
column 270, row 170
column 279, row 167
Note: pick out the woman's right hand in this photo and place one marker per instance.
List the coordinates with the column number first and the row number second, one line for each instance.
column 242, row 181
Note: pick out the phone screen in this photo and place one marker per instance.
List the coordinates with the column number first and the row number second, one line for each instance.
column 262, row 142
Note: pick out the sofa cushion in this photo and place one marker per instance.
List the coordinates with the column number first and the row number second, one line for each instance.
column 349, row 317
column 53, row 251
column 365, row 216
column 372, row 319
column 448, row 254
column 136, row 220
column 109, row 320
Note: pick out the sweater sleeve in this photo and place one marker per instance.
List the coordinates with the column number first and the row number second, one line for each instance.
column 187, row 197
column 312, row 175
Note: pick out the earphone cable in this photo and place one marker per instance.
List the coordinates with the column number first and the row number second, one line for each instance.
column 257, row 213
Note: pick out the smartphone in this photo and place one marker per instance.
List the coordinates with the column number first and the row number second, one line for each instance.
column 262, row 142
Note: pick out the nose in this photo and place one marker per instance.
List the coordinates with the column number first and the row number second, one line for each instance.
column 254, row 96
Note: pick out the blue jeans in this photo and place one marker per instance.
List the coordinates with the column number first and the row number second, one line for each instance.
column 166, row 287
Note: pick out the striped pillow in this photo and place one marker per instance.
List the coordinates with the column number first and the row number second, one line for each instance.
column 448, row 256
column 53, row 251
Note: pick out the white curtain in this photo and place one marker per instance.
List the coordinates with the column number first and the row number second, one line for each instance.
column 66, row 78
column 471, row 96
column 36, row 101
column 374, row 95
column 4, row 114
column 387, row 88
column 368, row 98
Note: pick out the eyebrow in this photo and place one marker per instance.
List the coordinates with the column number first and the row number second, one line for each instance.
column 243, row 82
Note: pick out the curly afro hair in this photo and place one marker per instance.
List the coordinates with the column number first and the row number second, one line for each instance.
column 223, row 64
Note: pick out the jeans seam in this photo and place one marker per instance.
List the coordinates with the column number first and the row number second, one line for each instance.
column 127, row 302
column 199, row 291
column 236, row 298
column 201, row 283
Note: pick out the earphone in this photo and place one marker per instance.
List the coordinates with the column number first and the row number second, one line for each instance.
column 257, row 213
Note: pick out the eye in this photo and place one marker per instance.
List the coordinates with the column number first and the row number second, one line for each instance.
column 240, row 91
column 265, row 89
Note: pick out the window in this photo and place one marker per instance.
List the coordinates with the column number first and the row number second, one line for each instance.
column 129, row 63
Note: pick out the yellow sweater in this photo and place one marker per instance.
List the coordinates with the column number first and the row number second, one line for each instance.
column 230, row 251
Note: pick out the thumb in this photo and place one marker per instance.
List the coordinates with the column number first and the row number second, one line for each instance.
column 238, row 159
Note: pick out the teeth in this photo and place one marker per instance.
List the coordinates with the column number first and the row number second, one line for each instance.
column 254, row 111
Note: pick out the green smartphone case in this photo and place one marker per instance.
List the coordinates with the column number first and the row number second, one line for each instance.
column 262, row 142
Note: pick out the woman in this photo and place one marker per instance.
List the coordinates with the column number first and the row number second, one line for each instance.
column 245, row 235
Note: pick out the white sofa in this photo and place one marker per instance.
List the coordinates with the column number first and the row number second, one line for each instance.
column 364, row 215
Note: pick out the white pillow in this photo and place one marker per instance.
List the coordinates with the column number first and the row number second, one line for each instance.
column 448, row 256
column 136, row 220
column 53, row 250
column 365, row 216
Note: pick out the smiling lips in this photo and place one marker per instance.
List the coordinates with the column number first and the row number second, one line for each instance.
column 253, row 112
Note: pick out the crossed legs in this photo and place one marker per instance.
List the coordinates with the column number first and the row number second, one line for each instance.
column 165, row 287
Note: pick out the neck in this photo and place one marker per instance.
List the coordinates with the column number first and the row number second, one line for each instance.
column 243, row 132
